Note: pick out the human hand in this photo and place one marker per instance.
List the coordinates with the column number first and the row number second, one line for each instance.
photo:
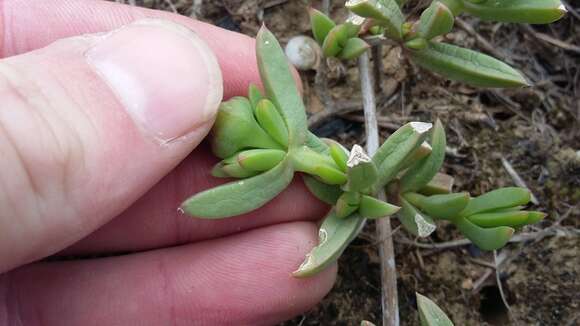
column 95, row 140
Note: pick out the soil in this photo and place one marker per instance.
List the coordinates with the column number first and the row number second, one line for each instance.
column 536, row 130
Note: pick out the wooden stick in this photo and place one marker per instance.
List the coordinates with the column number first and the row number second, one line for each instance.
column 389, row 297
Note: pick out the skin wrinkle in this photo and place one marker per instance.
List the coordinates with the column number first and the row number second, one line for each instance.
column 80, row 159
column 166, row 290
column 37, row 101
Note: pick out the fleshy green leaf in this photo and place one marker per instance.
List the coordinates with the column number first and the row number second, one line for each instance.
column 321, row 25
column 254, row 95
column 392, row 154
column 347, row 204
column 232, row 170
column 280, row 86
column 414, row 221
column 334, row 236
column 260, row 159
column 423, row 171
column 236, row 128
column 240, row 197
column 362, row 171
column 439, row 206
column 353, row 48
column 490, row 220
column 517, row 11
column 316, row 144
column 306, row 160
column 535, row 217
column 467, row 66
column 335, row 40
column 384, row 12
column 373, row 208
column 497, row 199
column 271, row 121
column 326, row 193
column 436, row 20
column 417, row 44
column 485, row 238
column 430, row 314
column 339, row 155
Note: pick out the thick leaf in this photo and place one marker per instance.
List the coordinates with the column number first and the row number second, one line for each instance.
column 417, row 44
column 254, row 95
column 347, row 204
column 414, row 221
column 334, row 236
column 485, row 238
column 419, row 175
column 439, row 206
column 280, row 86
column 362, row 171
column 535, row 217
column 440, row 184
column 306, row 160
column 467, row 66
column 324, row 192
column 384, row 12
column 456, row 6
column 493, row 219
column 392, row 154
column 436, row 20
column 316, row 144
column 430, row 314
column 260, row 159
column 353, row 48
column 232, row 170
column 236, row 128
column 517, row 11
column 272, row 122
column 339, row 155
column 241, row 196
column 373, row 208
column 335, row 40
column 321, row 25
column 497, row 199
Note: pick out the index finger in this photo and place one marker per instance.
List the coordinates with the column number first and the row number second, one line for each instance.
column 29, row 25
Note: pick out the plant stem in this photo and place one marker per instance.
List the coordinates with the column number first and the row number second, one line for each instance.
column 389, row 297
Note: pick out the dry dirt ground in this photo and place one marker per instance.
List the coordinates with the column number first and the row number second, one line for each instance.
column 536, row 130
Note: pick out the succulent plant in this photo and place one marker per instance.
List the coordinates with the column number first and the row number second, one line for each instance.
column 263, row 140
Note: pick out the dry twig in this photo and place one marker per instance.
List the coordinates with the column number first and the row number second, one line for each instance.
column 386, row 249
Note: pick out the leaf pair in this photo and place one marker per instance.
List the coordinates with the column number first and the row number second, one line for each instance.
column 276, row 124
column 338, row 41
column 487, row 220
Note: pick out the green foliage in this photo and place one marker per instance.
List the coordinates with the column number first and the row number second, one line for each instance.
column 321, row 25
column 517, row 11
column 338, row 41
column 430, row 314
column 264, row 140
column 385, row 13
column 334, row 236
column 467, row 66
column 436, row 20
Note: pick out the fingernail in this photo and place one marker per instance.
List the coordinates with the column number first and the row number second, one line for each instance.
column 165, row 76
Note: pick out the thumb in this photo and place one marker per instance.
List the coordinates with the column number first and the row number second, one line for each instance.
column 89, row 124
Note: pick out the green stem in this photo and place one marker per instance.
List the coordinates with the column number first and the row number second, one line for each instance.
column 306, row 160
